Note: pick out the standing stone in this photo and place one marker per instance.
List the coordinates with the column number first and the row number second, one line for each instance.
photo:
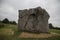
column 33, row 20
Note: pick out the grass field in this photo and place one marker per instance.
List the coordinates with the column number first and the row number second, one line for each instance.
column 10, row 32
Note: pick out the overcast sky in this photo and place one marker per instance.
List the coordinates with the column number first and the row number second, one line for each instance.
column 9, row 9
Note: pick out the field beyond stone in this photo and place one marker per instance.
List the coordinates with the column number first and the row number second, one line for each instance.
column 10, row 32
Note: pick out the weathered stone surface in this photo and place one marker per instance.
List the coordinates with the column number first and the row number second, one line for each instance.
column 33, row 20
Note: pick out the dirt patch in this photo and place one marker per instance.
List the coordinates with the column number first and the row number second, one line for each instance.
column 41, row 35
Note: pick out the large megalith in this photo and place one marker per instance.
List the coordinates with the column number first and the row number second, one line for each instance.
column 33, row 20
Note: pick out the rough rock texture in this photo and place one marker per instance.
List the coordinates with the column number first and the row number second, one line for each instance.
column 33, row 20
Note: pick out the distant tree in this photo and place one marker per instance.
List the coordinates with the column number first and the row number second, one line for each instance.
column 13, row 22
column 57, row 28
column 10, row 22
column 51, row 26
column 5, row 21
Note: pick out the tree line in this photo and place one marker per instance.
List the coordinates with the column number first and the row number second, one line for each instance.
column 52, row 27
column 6, row 21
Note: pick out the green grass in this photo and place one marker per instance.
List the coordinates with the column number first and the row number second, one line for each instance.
column 55, row 31
column 5, row 34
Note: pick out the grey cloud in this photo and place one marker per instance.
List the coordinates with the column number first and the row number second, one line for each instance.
column 7, row 11
column 1, row 1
